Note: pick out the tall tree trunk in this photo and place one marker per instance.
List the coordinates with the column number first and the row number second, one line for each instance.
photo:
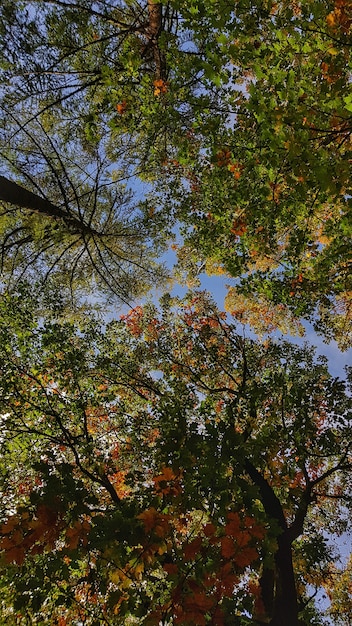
column 281, row 597
column 285, row 609
column 20, row 197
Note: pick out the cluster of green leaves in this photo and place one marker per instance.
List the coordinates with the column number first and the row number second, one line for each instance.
column 268, row 193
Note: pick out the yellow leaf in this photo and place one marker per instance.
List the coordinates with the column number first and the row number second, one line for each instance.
column 331, row 20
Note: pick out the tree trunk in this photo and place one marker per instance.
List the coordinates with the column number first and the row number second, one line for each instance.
column 285, row 609
column 282, row 596
column 155, row 16
column 20, row 197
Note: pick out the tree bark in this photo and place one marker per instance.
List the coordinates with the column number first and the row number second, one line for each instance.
column 285, row 610
column 155, row 16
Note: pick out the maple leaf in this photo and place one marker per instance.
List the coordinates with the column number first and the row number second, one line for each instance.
column 170, row 568
column 162, row 482
column 228, row 547
column 15, row 551
column 256, row 530
column 226, row 579
column 233, row 527
column 192, row 548
column 246, row 556
column 77, row 534
column 209, row 530
column 152, row 520
column 198, row 601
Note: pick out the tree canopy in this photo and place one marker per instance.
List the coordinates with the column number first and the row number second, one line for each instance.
column 163, row 466
column 238, row 117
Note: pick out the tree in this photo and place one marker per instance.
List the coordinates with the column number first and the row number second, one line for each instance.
column 267, row 194
column 76, row 223
column 83, row 225
column 171, row 470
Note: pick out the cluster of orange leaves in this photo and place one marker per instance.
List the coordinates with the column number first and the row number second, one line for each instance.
column 341, row 17
column 118, row 481
column 192, row 320
column 236, row 169
column 277, row 469
column 160, row 86
column 77, row 534
column 155, row 521
column 330, row 73
column 152, row 329
column 235, row 544
column 239, row 227
column 295, row 283
column 255, row 591
column 133, row 321
column 192, row 599
column 167, row 483
column 23, row 535
column 223, row 159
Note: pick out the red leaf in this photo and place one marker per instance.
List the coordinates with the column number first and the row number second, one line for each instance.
column 192, row 549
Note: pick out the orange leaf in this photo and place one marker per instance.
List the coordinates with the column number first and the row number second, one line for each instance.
column 149, row 518
column 198, row 601
column 160, row 86
column 246, row 557
column 235, row 168
column 209, row 530
column 223, row 158
column 15, row 555
column 77, row 534
column 239, row 227
column 227, row 547
column 331, row 19
column 192, row 549
column 226, row 580
column 233, row 526
column 170, row 568
column 162, row 482
column 152, row 520
column 121, row 107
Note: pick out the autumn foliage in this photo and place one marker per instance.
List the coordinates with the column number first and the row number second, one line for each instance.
column 157, row 483
column 173, row 463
